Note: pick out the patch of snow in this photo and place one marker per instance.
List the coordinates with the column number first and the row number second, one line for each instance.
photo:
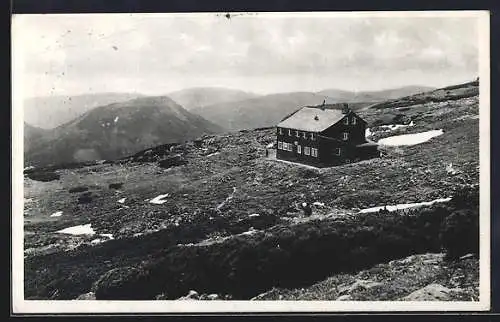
column 318, row 204
column 96, row 241
column 57, row 214
column 227, row 199
column 159, row 199
column 109, row 236
column 251, row 231
column 410, row 139
column 212, row 154
column 270, row 146
column 404, row 205
column 467, row 256
column 28, row 200
column 254, row 215
column 368, row 133
column 122, row 200
column 78, row 230
column 29, row 168
column 394, row 127
column 116, row 119
column 304, row 204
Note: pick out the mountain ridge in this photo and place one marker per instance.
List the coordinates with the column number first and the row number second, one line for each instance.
column 118, row 129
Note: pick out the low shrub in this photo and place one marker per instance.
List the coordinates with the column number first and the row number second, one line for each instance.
column 291, row 256
column 78, row 189
column 460, row 233
column 43, row 176
column 172, row 161
column 120, row 283
column 85, row 198
column 115, row 185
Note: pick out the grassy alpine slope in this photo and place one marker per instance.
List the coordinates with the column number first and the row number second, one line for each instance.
column 228, row 207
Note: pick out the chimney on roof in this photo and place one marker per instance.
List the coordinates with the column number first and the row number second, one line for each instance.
column 323, row 105
column 345, row 108
column 316, row 118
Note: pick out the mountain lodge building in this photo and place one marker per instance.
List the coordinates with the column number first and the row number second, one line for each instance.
column 324, row 135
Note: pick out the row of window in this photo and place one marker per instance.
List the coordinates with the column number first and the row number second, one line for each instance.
column 299, row 134
column 289, row 147
column 305, row 135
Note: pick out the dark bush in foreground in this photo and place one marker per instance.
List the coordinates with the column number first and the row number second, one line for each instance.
column 173, row 161
column 290, row 256
column 119, row 283
column 466, row 198
column 78, row 189
column 85, row 198
column 117, row 185
column 45, row 176
column 245, row 265
column 460, row 233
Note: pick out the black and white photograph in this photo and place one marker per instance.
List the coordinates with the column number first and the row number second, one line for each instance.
column 251, row 162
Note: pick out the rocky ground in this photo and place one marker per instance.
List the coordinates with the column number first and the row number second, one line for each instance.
column 223, row 185
column 423, row 277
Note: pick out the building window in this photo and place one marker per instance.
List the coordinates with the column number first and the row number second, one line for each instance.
column 297, row 133
column 304, row 135
column 299, row 149
column 346, row 121
column 337, row 151
column 307, row 150
column 281, row 131
column 314, row 152
column 345, row 136
column 313, row 136
column 289, row 132
column 280, row 145
column 353, row 121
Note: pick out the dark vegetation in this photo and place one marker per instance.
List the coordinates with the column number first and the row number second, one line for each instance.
column 85, row 198
column 173, row 161
column 460, row 231
column 44, row 176
column 77, row 270
column 78, row 189
column 117, row 185
column 392, row 118
column 281, row 255
column 284, row 256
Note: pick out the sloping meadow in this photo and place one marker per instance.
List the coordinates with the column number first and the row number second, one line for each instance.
column 295, row 255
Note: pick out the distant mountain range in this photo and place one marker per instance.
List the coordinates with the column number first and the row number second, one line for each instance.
column 117, row 130
column 50, row 112
column 198, row 97
column 267, row 110
column 257, row 112
column 374, row 96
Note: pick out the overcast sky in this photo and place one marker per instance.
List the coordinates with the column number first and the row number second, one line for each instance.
column 263, row 53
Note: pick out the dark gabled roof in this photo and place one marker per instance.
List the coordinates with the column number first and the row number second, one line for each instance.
column 312, row 119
